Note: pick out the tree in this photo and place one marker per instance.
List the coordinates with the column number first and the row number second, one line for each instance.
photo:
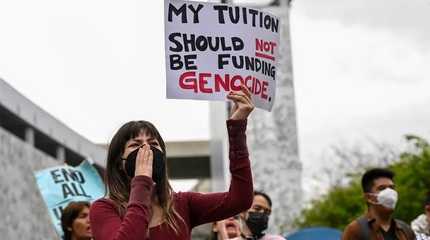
column 344, row 203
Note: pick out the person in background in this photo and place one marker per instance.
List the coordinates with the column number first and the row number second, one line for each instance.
column 254, row 222
column 227, row 229
column 421, row 225
column 75, row 221
column 381, row 198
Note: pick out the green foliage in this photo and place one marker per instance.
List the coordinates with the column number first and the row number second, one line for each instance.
column 342, row 205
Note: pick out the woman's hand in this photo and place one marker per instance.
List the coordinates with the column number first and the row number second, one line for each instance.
column 144, row 162
column 243, row 104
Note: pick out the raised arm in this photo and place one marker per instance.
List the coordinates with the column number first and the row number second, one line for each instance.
column 106, row 223
column 216, row 206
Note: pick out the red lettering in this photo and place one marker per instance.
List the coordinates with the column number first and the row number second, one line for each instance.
column 257, row 89
column 224, row 83
column 258, row 45
column 234, row 79
column 247, row 79
column 265, row 46
column 264, row 90
column 272, row 46
column 203, row 82
column 188, row 80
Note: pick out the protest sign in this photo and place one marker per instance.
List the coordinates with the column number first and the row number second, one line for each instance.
column 64, row 184
column 211, row 48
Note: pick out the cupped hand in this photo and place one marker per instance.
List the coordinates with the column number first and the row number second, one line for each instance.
column 242, row 103
column 144, row 162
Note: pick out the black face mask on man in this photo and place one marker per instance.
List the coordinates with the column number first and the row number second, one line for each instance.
column 158, row 164
column 257, row 222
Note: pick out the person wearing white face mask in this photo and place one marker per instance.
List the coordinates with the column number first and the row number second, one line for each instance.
column 378, row 223
column 421, row 225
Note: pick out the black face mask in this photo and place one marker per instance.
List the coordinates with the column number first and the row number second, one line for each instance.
column 257, row 222
column 158, row 164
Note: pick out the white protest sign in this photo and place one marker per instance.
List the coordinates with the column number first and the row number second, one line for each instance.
column 212, row 48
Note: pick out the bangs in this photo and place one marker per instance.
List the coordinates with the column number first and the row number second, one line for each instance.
column 129, row 131
column 141, row 128
column 135, row 128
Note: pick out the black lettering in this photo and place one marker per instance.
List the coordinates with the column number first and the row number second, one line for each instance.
column 58, row 211
column 261, row 19
column 224, row 45
column 253, row 12
column 267, row 21
column 221, row 61
column 234, row 16
column 189, row 42
column 275, row 24
column 56, row 176
column 237, row 61
column 201, row 43
column 213, row 43
column 257, row 64
column 175, row 62
column 249, row 63
column 178, row 45
column 220, row 9
column 70, row 174
column 190, row 62
column 266, row 69
column 237, row 43
column 76, row 190
column 273, row 72
column 67, row 191
column 80, row 177
column 66, row 174
column 245, row 16
column 196, row 12
column 182, row 11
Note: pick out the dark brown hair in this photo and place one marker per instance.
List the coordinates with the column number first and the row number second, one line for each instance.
column 117, row 181
column 70, row 213
column 371, row 175
column 264, row 195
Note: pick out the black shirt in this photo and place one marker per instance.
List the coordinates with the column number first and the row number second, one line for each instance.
column 390, row 234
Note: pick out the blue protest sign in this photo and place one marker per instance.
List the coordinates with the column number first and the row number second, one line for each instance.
column 64, row 184
column 316, row 233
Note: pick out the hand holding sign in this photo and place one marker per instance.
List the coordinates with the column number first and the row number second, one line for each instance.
column 243, row 104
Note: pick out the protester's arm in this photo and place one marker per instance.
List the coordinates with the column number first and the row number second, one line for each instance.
column 216, row 206
column 205, row 208
column 106, row 223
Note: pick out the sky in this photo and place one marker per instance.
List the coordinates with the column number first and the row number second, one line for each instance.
column 361, row 68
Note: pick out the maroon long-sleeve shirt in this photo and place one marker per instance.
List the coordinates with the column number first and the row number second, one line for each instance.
column 194, row 208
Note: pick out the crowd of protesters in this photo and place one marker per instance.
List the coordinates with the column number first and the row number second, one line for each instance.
column 140, row 203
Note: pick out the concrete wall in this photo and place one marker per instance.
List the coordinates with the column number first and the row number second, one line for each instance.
column 23, row 212
column 39, row 119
